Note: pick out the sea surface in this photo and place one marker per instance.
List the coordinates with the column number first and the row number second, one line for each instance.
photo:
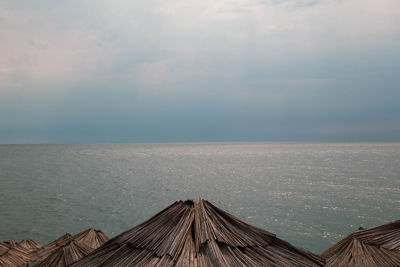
column 310, row 194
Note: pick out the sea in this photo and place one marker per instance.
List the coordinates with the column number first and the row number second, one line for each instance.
column 309, row 194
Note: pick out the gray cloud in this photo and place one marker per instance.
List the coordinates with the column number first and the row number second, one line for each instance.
column 85, row 71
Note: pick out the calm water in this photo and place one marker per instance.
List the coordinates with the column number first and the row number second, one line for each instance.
column 310, row 194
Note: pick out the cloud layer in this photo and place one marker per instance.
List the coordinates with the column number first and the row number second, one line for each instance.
column 125, row 71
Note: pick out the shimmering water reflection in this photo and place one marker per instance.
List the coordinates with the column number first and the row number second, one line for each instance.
column 310, row 194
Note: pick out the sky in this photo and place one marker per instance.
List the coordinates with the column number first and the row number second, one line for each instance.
column 83, row 71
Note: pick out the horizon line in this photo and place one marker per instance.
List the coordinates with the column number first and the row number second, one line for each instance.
column 207, row 142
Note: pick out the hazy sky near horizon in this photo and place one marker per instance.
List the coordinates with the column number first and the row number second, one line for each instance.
column 184, row 70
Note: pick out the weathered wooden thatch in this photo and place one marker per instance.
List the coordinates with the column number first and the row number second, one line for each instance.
column 66, row 254
column 12, row 255
column 43, row 252
column 29, row 245
column 3, row 248
column 11, row 243
column 91, row 238
column 197, row 234
column 78, row 245
column 378, row 246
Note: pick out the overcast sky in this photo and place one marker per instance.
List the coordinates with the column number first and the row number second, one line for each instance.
column 183, row 70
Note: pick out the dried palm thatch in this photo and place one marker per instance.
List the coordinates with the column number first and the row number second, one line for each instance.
column 88, row 240
column 66, row 254
column 11, row 243
column 3, row 248
column 197, row 234
column 29, row 245
column 12, row 255
column 378, row 246
column 91, row 238
column 43, row 252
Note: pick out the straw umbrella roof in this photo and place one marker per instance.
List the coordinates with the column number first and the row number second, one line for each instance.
column 3, row 248
column 197, row 234
column 11, row 243
column 88, row 239
column 378, row 246
column 91, row 238
column 66, row 254
column 29, row 245
column 48, row 249
column 12, row 255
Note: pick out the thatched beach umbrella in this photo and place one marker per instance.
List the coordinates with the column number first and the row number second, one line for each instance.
column 197, row 234
column 66, row 254
column 91, row 238
column 48, row 249
column 11, row 243
column 12, row 255
column 3, row 248
column 378, row 246
column 29, row 245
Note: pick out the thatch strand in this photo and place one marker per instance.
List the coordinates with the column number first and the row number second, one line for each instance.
column 197, row 234
column 378, row 246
